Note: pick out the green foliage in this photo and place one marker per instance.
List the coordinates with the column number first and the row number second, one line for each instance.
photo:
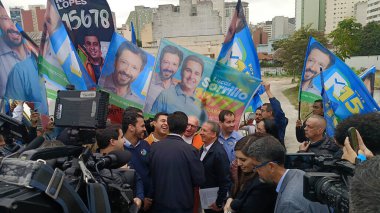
column 369, row 40
column 346, row 38
column 291, row 51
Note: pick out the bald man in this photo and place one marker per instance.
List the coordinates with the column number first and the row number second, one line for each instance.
column 190, row 135
column 319, row 143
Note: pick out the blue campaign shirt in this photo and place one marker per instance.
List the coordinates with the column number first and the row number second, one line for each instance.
column 229, row 144
column 25, row 84
column 139, row 162
column 174, row 99
column 281, row 180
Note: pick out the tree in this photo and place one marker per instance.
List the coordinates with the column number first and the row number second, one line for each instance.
column 346, row 38
column 291, row 51
column 370, row 40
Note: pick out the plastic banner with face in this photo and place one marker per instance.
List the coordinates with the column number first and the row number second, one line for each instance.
column 90, row 26
column 197, row 85
column 19, row 79
column 368, row 76
column 239, row 52
column 126, row 73
column 344, row 92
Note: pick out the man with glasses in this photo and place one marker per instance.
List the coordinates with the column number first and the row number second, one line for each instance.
column 268, row 157
column 318, row 58
column 300, row 127
column 190, row 135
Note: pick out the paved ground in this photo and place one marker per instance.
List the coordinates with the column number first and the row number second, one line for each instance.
column 277, row 86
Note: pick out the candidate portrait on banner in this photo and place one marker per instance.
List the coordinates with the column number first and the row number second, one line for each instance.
column 126, row 72
column 318, row 59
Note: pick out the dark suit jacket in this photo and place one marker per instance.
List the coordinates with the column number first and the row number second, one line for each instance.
column 217, row 170
column 175, row 169
column 255, row 195
column 290, row 197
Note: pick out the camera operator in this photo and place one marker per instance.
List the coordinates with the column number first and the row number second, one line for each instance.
column 111, row 139
column 319, row 143
column 268, row 156
column 364, row 192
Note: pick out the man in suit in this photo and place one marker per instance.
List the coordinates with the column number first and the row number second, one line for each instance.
column 268, row 156
column 175, row 168
column 216, row 164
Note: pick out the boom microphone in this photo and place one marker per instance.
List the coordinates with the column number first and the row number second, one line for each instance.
column 114, row 160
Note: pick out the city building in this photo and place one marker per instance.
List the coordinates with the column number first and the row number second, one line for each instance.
column 360, row 11
column 124, row 31
column 267, row 28
column 140, row 17
column 282, row 27
column 259, row 36
column 311, row 12
column 373, row 10
column 337, row 11
column 31, row 20
column 230, row 8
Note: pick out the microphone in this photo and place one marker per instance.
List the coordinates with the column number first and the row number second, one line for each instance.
column 114, row 160
column 34, row 144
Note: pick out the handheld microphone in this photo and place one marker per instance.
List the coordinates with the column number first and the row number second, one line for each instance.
column 114, row 160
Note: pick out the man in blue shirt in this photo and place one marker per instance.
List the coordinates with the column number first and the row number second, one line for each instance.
column 228, row 136
column 182, row 97
column 25, row 84
column 134, row 131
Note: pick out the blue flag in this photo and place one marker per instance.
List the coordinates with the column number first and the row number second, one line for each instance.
column 343, row 92
column 133, row 34
column 238, row 50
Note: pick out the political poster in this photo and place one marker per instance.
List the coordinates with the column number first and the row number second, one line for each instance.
column 197, row 85
column 368, row 77
column 344, row 91
column 126, row 73
column 90, row 26
column 19, row 78
column 239, row 52
column 58, row 59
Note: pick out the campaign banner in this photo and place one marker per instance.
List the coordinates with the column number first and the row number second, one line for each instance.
column 239, row 52
column 197, row 85
column 126, row 73
column 19, row 78
column 90, row 26
column 58, row 60
column 368, row 77
column 345, row 91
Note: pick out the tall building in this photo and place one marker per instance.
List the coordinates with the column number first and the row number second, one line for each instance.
column 186, row 20
column 282, row 27
column 267, row 28
column 360, row 11
column 259, row 36
column 311, row 12
column 337, row 11
column 230, row 8
column 140, row 17
column 16, row 15
column 373, row 10
column 31, row 20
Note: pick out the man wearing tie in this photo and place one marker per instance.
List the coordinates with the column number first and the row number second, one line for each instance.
column 216, row 164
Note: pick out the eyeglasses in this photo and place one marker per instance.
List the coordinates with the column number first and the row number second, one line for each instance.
column 192, row 126
column 263, row 164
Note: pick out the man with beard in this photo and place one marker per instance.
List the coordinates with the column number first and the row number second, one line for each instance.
column 129, row 62
column 268, row 157
column 161, row 129
column 12, row 49
column 170, row 60
column 181, row 97
column 318, row 58
column 134, row 131
column 94, row 62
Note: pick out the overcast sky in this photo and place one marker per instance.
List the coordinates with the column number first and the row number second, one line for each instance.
column 259, row 10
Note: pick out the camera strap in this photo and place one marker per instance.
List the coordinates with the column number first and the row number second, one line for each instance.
column 97, row 196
